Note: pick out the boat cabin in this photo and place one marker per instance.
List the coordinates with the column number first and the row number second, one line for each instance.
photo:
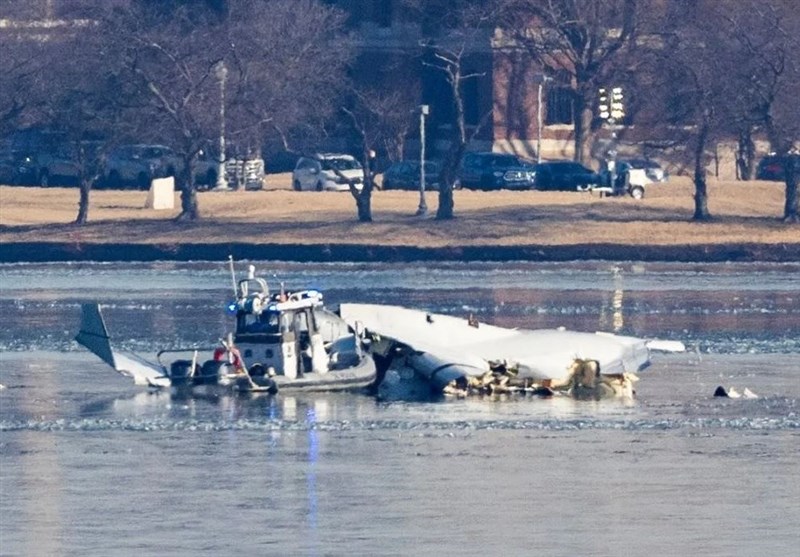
column 289, row 333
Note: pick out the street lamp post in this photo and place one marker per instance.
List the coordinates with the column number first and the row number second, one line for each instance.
column 616, row 112
column 222, row 74
column 612, row 108
column 540, row 79
column 424, row 110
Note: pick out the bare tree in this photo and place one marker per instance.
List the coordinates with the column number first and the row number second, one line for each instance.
column 396, row 101
column 249, row 65
column 461, row 30
column 755, row 33
column 449, row 61
column 291, row 58
column 582, row 39
column 689, row 87
column 766, row 34
column 17, row 66
column 379, row 116
column 715, row 72
column 65, row 98
column 86, row 107
column 169, row 64
column 23, row 68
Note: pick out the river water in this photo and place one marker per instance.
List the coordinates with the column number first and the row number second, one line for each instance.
column 91, row 465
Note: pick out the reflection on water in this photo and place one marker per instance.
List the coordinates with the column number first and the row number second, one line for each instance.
column 715, row 308
column 617, row 308
column 92, row 462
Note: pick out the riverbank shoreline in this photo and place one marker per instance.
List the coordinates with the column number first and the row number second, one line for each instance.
column 36, row 225
column 42, row 252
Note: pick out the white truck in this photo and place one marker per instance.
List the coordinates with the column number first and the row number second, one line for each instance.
column 627, row 181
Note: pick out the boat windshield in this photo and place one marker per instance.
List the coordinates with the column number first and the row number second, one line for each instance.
column 264, row 322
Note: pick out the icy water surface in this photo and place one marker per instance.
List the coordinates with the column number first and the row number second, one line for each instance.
column 90, row 465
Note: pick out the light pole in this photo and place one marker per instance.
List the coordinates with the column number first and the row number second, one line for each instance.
column 540, row 79
column 222, row 74
column 424, row 110
column 612, row 108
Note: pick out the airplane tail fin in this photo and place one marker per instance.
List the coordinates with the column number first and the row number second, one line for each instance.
column 94, row 336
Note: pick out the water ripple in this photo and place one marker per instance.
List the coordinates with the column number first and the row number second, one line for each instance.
column 783, row 423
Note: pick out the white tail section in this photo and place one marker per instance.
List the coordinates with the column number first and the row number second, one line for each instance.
column 94, row 336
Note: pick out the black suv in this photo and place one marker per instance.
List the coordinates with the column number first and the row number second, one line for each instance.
column 405, row 175
column 564, row 176
column 773, row 167
column 494, row 171
column 40, row 157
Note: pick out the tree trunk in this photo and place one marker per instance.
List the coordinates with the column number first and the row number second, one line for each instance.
column 700, row 190
column 445, row 209
column 89, row 165
column 700, row 197
column 364, row 205
column 583, row 126
column 458, row 144
column 83, row 204
column 745, row 155
column 188, row 195
column 791, row 213
column 448, row 177
column 364, row 197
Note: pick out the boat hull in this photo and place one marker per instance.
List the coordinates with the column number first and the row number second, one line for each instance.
column 360, row 376
column 226, row 380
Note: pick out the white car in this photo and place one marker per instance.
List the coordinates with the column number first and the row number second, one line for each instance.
column 651, row 169
column 327, row 172
column 627, row 180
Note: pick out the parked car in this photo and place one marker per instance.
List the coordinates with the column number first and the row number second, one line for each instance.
column 405, row 175
column 651, row 168
column 7, row 167
column 327, row 172
column 773, row 167
column 494, row 171
column 40, row 157
column 626, row 180
column 15, row 167
column 564, row 175
column 58, row 166
column 206, row 169
column 137, row 165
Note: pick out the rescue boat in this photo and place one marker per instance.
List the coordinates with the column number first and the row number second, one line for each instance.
column 281, row 341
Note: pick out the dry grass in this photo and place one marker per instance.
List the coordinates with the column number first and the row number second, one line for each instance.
column 743, row 213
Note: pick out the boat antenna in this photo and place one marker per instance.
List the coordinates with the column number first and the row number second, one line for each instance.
column 233, row 275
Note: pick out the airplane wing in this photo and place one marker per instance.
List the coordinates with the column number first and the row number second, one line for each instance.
column 94, row 336
column 472, row 347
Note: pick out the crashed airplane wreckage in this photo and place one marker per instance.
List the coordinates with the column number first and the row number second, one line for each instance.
column 462, row 357
column 285, row 341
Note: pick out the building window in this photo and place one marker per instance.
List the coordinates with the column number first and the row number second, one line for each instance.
column 560, row 105
column 560, row 99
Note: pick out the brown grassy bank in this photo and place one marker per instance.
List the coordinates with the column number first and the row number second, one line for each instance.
column 744, row 213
